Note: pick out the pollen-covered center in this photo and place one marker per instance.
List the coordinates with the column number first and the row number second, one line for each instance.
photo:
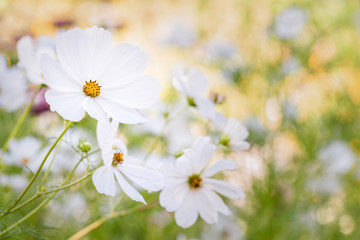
column 195, row 181
column 117, row 159
column 91, row 88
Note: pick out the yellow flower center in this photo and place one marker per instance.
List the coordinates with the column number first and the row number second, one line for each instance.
column 25, row 160
column 195, row 181
column 91, row 88
column 117, row 159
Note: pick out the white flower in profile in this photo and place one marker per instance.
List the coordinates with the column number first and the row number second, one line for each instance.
column 193, row 85
column 96, row 77
column 29, row 54
column 234, row 135
column 24, row 152
column 118, row 164
column 190, row 190
column 290, row 22
column 13, row 87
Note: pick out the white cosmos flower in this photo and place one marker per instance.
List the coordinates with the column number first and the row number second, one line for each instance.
column 118, row 164
column 13, row 87
column 193, row 85
column 24, row 152
column 234, row 135
column 189, row 190
column 29, row 54
column 94, row 76
column 290, row 22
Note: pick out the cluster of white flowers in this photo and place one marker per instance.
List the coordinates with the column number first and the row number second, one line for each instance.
column 86, row 73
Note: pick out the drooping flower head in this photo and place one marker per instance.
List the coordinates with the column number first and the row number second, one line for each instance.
column 118, row 164
column 190, row 191
column 193, row 84
column 94, row 76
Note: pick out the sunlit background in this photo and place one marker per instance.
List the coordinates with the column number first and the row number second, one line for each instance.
column 288, row 70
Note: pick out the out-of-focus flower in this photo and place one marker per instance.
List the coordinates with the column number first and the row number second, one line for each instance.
column 40, row 105
column 290, row 65
column 13, row 87
column 117, row 163
column 180, row 34
column 290, row 22
column 289, row 110
column 337, row 157
column 193, row 85
column 17, row 182
column 189, row 190
column 29, row 54
column 326, row 185
column 24, row 152
column 220, row 50
column 226, row 229
column 234, row 135
column 96, row 77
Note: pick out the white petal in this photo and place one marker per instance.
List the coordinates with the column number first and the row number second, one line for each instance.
column 120, row 146
column 187, row 214
column 104, row 181
column 123, row 61
column 199, row 82
column 224, row 188
column 68, row 105
column 94, row 109
column 150, row 180
column 203, row 153
column 56, row 77
column 179, row 84
column 239, row 146
column 172, row 196
column 82, row 52
column 217, row 202
column 140, row 93
column 222, row 165
column 207, row 210
column 184, row 163
column 120, row 113
column 128, row 189
column 106, row 133
column 169, row 169
column 3, row 63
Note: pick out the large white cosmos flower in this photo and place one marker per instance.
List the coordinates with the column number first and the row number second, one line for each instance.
column 193, row 84
column 118, row 164
column 94, row 76
column 190, row 191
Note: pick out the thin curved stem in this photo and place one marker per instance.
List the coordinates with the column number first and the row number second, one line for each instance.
column 83, row 232
column 68, row 125
column 21, row 120
column 167, row 121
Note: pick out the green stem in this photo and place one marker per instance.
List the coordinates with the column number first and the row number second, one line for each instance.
column 83, row 232
column 21, row 120
column 38, row 170
column 167, row 121
column 54, row 192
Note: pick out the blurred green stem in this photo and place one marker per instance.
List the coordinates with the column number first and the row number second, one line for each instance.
column 67, row 126
column 21, row 119
column 83, row 232
column 167, row 121
column 43, row 203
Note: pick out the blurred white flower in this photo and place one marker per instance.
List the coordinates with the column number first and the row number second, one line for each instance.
column 290, row 22
column 325, row 184
column 24, row 152
column 221, row 50
column 117, row 163
column 337, row 157
column 189, row 190
column 290, row 65
column 179, row 33
column 13, row 87
column 29, row 54
column 17, row 182
column 96, row 77
column 193, row 85
column 234, row 135
column 226, row 229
